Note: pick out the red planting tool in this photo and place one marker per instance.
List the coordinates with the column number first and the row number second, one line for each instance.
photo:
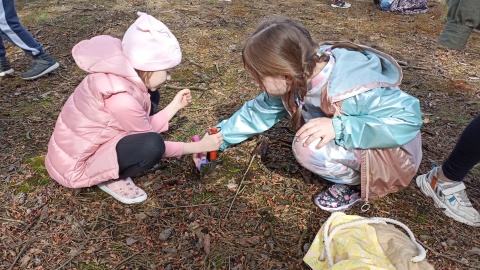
column 211, row 156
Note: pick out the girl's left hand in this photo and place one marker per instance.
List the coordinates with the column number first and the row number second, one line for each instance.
column 182, row 98
column 321, row 127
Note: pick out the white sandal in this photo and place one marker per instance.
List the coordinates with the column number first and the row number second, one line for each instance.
column 124, row 190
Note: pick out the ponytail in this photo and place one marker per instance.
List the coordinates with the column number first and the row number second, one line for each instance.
column 295, row 99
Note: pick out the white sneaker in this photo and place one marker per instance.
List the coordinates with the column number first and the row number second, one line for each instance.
column 449, row 196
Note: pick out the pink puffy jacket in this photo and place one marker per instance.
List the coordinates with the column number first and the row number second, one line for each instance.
column 81, row 151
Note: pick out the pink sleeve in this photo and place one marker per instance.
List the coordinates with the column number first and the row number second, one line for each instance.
column 133, row 118
column 131, row 115
column 173, row 149
column 158, row 121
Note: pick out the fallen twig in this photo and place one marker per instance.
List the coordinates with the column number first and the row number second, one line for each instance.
column 80, row 250
column 446, row 257
column 257, row 151
column 192, row 205
column 185, row 87
column 40, row 217
column 11, row 220
column 240, row 185
column 126, row 259
column 195, row 64
column 29, row 242
column 300, row 242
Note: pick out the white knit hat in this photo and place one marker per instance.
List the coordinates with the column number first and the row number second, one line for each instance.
column 150, row 46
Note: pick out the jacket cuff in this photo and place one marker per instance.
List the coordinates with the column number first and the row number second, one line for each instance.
column 338, row 127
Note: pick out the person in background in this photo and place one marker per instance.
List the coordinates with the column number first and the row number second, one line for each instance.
column 444, row 184
column 462, row 17
column 15, row 33
column 353, row 125
column 403, row 6
column 340, row 4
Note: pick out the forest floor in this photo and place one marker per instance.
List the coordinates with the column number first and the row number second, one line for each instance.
column 198, row 221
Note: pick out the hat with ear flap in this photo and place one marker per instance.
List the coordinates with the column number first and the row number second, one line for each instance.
column 150, row 46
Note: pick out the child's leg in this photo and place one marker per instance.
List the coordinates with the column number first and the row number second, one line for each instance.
column 15, row 32
column 5, row 67
column 445, row 185
column 336, row 164
column 139, row 152
column 3, row 51
column 135, row 153
column 331, row 162
column 466, row 153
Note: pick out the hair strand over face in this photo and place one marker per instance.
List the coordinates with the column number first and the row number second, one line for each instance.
column 279, row 47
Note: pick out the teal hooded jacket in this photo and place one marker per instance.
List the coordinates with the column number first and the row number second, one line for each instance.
column 372, row 112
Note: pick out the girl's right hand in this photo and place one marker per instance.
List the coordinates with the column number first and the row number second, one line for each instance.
column 211, row 142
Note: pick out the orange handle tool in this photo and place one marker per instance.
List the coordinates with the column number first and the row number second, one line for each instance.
column 213, row 154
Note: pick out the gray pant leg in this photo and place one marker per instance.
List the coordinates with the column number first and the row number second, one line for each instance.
column 462, row 17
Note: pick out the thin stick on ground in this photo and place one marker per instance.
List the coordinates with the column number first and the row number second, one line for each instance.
column 259, row 150
column 29, row 242
column 126, row 260
column 240, row 185
column 11, row 220
column 447, row 257
column 185, row 87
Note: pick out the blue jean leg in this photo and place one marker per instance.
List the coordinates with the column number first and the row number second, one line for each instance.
column 14, row 32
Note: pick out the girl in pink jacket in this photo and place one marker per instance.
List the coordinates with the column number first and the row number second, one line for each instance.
column 104, row 134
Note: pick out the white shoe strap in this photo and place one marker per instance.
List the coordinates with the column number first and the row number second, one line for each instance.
column 454, row 189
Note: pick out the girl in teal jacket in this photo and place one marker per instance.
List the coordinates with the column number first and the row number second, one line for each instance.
column 353, row 125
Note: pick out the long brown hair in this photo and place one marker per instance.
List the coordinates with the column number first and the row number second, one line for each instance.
column 282, row 47
column 144, row 75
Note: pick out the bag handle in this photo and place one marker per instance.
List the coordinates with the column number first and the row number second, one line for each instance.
column 327, row 238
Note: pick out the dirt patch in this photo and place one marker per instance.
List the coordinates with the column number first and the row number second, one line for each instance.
column 46, row 226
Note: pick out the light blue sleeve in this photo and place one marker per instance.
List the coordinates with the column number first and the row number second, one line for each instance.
column 379, row 118
column 253, row 118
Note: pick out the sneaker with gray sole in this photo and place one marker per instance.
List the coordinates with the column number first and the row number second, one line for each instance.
column 42, row 65
column 450, row 197
column 5, row 68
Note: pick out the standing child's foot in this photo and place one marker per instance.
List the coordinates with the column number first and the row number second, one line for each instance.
column 449, row 196
column 124, row 190
column 42, row 65
column 340, row 4
column 338, row 197
column 5, row 68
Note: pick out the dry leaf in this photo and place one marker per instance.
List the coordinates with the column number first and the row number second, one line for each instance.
column 130, row 241
column 232, row 185
column 24, row 261
column 474, row 250
column 206, row 243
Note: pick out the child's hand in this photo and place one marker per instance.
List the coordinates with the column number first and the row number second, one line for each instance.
column 182, row 99
column 211, row 142
column 316, row 128
column 196, row 158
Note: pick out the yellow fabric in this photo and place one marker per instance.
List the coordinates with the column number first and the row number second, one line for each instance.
column 356, row 247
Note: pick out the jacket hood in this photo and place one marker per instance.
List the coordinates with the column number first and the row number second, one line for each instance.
column 104, row 54
column 356, row 72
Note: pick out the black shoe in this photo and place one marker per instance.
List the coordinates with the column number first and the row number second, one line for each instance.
column 5, row 68
column 42, row 65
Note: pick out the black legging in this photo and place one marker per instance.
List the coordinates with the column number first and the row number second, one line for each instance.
column 139, row 152
column 466, row 153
